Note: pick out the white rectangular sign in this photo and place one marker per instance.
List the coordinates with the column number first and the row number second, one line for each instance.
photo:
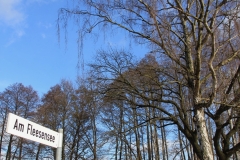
column 26, row 129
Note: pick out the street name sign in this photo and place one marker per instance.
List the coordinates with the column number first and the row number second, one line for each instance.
column 21, row 127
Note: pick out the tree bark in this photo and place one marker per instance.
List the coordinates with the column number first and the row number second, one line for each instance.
column 201, row 128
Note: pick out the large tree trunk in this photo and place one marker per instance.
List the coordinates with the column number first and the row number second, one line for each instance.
column 201, row 128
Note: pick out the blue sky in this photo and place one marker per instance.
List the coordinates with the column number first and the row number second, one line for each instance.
column 29, row 49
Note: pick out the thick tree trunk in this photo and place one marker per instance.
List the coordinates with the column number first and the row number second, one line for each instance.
column 207, row 153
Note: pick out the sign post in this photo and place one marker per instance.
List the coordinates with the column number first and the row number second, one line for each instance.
column 21, row 127
column 59, row 149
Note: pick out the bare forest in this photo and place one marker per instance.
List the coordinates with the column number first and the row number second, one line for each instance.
column 181, row 101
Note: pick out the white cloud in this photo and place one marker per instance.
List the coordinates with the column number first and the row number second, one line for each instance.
column 13, row 17
column 11, row 13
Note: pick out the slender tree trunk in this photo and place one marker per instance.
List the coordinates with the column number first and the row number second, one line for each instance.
column 126, row 151
column 143, row 144
column 116, row 148
column 148, row 142
column 75, row 141
column 120, row 132
column 164, row 140
column 94, row 137
column 188, row 149
column 151, row 140
column 77, row 148
column 121, row 148
column 130, row 149
column 156, row 145
column 9, row 150
column 181, row 146
column 2, row 134
column 14, row 154
column 20, row 148
column 38, row 151
column 155, row 134
column 136, row 132
column 163, row 145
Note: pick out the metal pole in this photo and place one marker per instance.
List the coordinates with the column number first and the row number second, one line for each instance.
column 59, row 149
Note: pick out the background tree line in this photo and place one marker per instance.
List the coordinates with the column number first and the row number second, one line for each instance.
column 125, row 109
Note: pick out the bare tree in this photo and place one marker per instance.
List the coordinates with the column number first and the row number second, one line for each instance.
column 23, row 101
column 90, row 101
column 150, row 81
column 198, row 39
column 55, row 110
